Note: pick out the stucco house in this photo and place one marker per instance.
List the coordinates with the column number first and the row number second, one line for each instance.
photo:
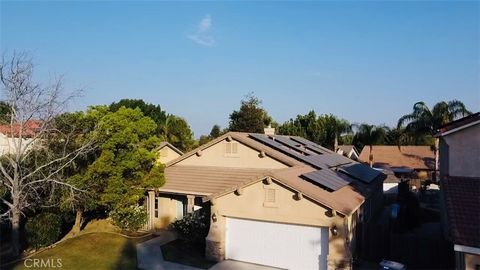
column 274, row 200
column 460, row 186
column 349, row 151
column 11, row 134
column 167, row 152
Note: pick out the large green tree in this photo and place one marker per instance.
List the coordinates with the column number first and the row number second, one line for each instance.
column 425, row 122
column 251, row 117
column 170, row 128
column 125, row 163
column 176, row 131
column 325, row 129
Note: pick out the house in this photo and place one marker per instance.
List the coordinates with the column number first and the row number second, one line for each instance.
column 10, row 135
column 349, row 151
column 406, row 162
column 459, row 150
column 280, row 201
column 167, row 152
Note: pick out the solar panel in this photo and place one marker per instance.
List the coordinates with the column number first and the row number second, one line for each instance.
column 329, row 179
column 311, row 145
column 361, row 172
column 288, row 142
column 330, row 160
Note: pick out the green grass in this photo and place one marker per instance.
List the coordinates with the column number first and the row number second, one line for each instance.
column 92, row 251
column 182, row 252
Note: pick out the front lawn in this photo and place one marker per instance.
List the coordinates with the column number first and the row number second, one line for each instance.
column 183, row 252
column 91, row 251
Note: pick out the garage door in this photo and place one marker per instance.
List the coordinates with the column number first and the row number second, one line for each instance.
column 277, row 244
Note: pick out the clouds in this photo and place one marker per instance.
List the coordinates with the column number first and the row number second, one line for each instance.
column 203, row 35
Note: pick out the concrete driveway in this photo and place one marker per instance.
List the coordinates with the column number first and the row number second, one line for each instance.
column 236, row 265
column 149, row 254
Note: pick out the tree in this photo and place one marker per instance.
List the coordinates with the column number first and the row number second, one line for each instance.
column 251, row 117
column 369, row 135
column 423, row 122
column 176, row 131
column 155, row 112
column 5, row 112
column 332, row 127
column 171, row 128
column 215, row 132
column 30, row 171
column 306, row 126
column 324, row 129
column 126, row 163
column 80, row 127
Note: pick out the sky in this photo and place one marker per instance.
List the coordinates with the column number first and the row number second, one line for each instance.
column 362, row 61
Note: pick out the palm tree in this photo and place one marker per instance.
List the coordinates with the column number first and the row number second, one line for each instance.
column 369, row 135
column 340, row 126
column 425, row 122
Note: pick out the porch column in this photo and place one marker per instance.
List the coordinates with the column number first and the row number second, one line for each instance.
column 190, row 203
column 151, row 209
column 215, row 240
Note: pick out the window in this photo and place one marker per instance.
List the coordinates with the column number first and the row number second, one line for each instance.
column 270, row 195
column 157, row 201
column 271, row 199
column 231, row 149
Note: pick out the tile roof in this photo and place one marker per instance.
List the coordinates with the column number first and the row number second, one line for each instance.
column 390, row 156
column 459, row 123
column 211, row 182
column 462, row 202
column 163, row 144
column 28, row 129
column 206, row 180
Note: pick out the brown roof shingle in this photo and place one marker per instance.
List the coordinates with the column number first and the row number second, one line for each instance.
column 462, row 202
column 390, row 156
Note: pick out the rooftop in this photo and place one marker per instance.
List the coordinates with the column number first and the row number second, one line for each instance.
column 416, row 157
column 462, row 201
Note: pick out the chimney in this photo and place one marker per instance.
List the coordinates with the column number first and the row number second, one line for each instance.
column 269, row 130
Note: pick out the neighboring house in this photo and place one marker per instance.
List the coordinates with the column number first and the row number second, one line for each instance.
column 406, row 162
column 273, row 200
column 10, row 135
column 349, row 151
column 460, row 185
column 167, row 152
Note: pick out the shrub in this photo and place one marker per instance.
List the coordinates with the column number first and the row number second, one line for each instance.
column 193, row 226
column 43, row 229
column 129, row 218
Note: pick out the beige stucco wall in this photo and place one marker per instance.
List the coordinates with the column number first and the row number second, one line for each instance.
column 8, row 144
column 472, row 261
column 464, row 152
column 166, row 154
column 246, row 158
column 287, row 209
column 167, row 212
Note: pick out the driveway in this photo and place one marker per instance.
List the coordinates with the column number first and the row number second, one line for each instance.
column 149, row 254
column 236, row 265
column 150, row 257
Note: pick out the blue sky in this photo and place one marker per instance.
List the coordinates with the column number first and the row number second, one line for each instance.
column 363, row 61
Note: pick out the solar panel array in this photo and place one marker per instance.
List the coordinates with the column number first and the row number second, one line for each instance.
column 328, row 178
column 360, row 171
column 322, row 159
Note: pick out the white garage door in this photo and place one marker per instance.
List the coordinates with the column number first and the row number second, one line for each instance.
column 277, row 244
